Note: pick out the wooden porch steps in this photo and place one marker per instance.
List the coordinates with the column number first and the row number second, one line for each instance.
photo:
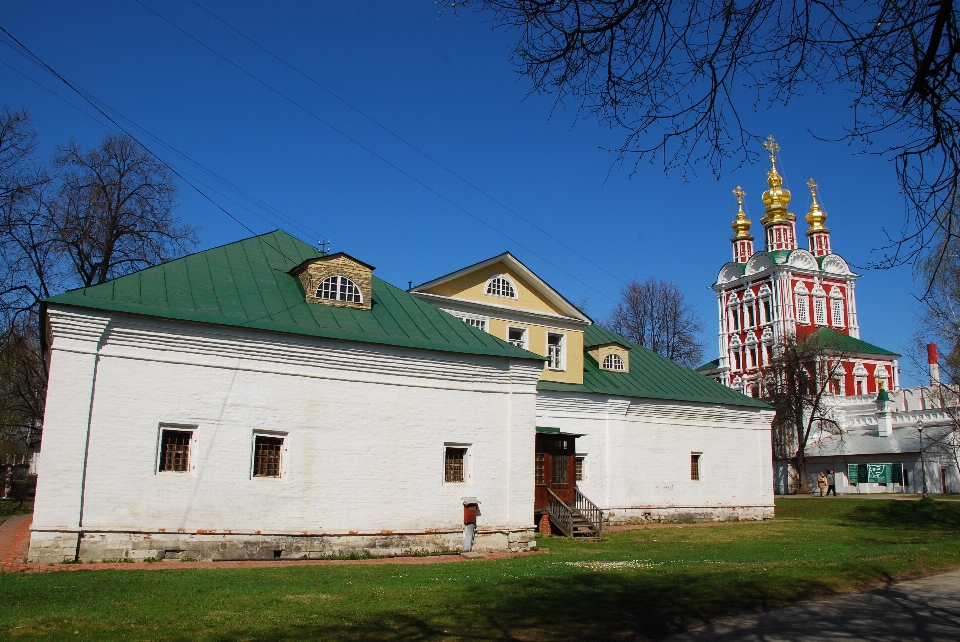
column 583, row 520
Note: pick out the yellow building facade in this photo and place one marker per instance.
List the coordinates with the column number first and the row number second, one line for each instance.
column 505, row 298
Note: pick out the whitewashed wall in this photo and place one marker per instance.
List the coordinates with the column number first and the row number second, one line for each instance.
column 637, row 464
column 365, row 431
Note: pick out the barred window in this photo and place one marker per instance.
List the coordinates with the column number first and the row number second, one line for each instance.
column 612, row 362
column 501, row 286
column 578, row 468
column 175, row 451
column 539, row 473
column 695, row 466
column 454, row 461
column 803, row 309
column 836, row 312
column 266, row 456
column 820, row 311
column 339, row 288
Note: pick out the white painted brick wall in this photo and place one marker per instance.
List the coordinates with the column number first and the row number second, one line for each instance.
column 363, row 452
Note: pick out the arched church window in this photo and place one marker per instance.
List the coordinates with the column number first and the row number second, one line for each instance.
column 501, row 286
column 339, row 288
column 836, row 312
column 803, row 308
column 612, row 362
column 820, row 311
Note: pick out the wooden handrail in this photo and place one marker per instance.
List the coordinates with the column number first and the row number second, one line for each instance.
column 589, row 510
column 560, row 513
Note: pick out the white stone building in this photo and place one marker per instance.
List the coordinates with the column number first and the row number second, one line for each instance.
column 258, row 400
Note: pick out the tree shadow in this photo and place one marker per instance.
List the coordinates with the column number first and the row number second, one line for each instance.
column 910, row 514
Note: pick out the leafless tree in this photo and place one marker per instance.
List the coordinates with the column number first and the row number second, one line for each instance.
column 89, row 216
column 796, row 383
column 678, row 76
column 656, row 315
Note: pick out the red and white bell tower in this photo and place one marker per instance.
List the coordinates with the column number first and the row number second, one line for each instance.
column 786, row 291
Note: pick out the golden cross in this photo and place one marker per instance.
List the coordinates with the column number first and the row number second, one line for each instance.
column 739, row 193
column 771, row 146
column 812, row 185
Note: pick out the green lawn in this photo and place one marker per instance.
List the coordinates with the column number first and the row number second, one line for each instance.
column 647, row 583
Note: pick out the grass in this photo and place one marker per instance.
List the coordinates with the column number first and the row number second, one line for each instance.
column 635, row 584
column 10, row 508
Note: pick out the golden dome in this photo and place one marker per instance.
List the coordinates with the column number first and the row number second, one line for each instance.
column 817, row 217
column 741, row 226
column 776, row 199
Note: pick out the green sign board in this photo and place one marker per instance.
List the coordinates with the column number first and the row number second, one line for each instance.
column 852, row 473
column 879, row 473
column 874, row 473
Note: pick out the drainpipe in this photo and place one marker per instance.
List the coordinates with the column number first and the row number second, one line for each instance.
column 86, row 446
column 471, row 508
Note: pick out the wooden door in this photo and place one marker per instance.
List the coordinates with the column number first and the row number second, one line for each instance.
column 554, row 468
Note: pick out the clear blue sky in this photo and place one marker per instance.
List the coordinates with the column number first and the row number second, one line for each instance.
column 447, row 86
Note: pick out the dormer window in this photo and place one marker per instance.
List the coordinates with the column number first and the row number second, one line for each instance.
column 339, row 288
column 612, row 362
column 501, row 286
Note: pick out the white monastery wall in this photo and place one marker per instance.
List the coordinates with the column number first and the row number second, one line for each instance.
column 364, row 432
column 637, row 464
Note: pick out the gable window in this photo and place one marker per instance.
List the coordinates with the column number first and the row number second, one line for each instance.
column 518, row 337
column 836, row 312
column 803, row 309
column 820, row 311
column 175, row 451
column 339, row 288
column 501, row 286
column 455, row 465
column 695, row 466
column 612, row 362
column 555, row 351
column 266, row 456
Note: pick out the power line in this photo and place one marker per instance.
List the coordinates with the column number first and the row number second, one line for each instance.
column 278, row 215
column 370, row 151
column 400, row 138
column 82, row 94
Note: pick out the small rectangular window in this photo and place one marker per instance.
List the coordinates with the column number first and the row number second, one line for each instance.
column 695, row 466
column 767, row 317
column 454, row 465
column 517, row 336
column 554, row 351
column 266, row 456
column 476, row 322
column 175, row 451
column 539, row 473
column 560, row 473
column 579, row 468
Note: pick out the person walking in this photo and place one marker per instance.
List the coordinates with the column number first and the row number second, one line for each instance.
column 821, row 482
column 831, row 483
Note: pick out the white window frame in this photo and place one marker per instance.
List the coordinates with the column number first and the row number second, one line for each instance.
column 467, row 463
column 699, row 465
column 836, row 312
column 284, row 450
column 613, row 356
column 585, row 478
column 191, row 458
column 563, row 351
column 339, row 289
column 819, row 311
column 473, row 320
column 513, row 286
column 526, row 336
column 803, row 309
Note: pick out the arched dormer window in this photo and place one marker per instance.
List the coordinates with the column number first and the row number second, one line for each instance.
column 339, row 288
column 612, row 362
column 501, row 286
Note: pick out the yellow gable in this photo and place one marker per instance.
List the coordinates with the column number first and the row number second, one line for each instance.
column 473, row 286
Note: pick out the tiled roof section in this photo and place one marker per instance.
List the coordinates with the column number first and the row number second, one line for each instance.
column 650, row 377
column 247, row 284
column 830, row 339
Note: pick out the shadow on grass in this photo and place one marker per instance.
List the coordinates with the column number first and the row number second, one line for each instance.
column 912, row 515
column 600, row 605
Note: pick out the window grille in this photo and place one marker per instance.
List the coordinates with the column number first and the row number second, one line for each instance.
column 477, row 323
column 501, row 286
column 695, row 466
column 803, row 309
column 517, row 336
column 175, row 451
column 613, row 362
column 266, row 456
column 555, row 351
column 820, row 311
column 578, row 468
column 339, row 288
column 454, row 465
column 560, row 476
column 836, row 312
column 539, row 472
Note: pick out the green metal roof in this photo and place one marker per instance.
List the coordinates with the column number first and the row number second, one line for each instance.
column 247, row 284
column 650, row 377
column 709, row 365
column 830, row 339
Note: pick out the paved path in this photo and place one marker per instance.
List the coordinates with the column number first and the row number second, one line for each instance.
column 927, row 609
column 14, row 539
